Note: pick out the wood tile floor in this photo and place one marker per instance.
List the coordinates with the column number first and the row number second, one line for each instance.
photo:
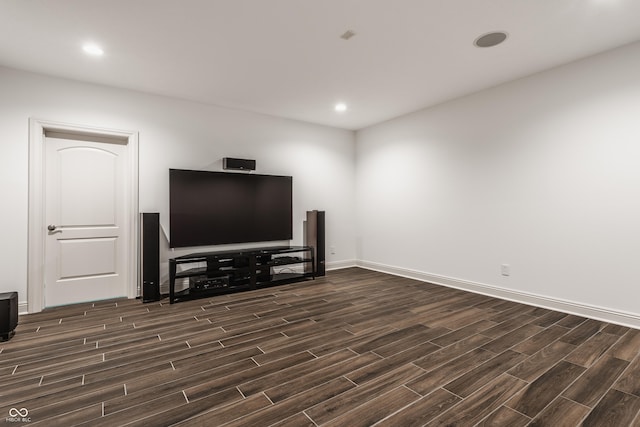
column 355, row 348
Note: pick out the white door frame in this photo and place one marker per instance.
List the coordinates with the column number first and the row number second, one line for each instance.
column 37, row 226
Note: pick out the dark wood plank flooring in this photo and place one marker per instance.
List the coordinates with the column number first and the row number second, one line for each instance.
column 355, row 348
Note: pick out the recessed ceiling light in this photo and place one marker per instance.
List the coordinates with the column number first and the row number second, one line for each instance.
column 93, row 49
column 490, row 39
column 340, row 107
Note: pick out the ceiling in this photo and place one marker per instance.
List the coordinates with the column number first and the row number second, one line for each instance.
column 286, row 58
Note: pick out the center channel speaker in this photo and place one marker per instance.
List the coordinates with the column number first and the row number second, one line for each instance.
column 315, row 237
column 149, row 279
column 238, row 164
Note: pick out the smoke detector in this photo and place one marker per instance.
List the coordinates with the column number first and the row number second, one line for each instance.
column 347, row 35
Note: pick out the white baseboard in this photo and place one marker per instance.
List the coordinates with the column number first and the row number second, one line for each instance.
column 594, row 312
column 23, row 307
column 337, row 265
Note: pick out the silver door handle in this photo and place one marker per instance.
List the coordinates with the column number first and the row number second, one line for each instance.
column 51, row 227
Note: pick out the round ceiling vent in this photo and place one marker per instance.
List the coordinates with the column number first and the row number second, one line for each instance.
column 490, row 39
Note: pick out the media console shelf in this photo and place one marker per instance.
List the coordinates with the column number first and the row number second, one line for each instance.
column 214, row 273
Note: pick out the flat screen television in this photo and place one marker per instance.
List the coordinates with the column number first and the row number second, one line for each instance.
column 213, row 208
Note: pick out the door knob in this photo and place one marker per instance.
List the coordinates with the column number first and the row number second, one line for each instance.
column 51, row 227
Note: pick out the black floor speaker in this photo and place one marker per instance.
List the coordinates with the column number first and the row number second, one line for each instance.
column 315, row 237
column 8, row 315
column 150, row 256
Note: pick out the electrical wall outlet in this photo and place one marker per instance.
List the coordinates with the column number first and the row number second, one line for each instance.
column 505, row 269
column 332, row 250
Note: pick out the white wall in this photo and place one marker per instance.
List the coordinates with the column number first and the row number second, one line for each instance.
column 173, row 134
column 542, row 174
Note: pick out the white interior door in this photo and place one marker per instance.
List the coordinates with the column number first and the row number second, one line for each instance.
column 85, row 214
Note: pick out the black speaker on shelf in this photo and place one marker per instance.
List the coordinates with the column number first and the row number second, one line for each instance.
column 150, row 256
column 315, row 237
column 238, row 164
column 8, row 315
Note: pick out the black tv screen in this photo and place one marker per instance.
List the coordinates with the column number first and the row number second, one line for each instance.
column 212, row 208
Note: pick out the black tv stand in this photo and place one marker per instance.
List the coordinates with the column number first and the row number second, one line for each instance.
column 218, row 272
